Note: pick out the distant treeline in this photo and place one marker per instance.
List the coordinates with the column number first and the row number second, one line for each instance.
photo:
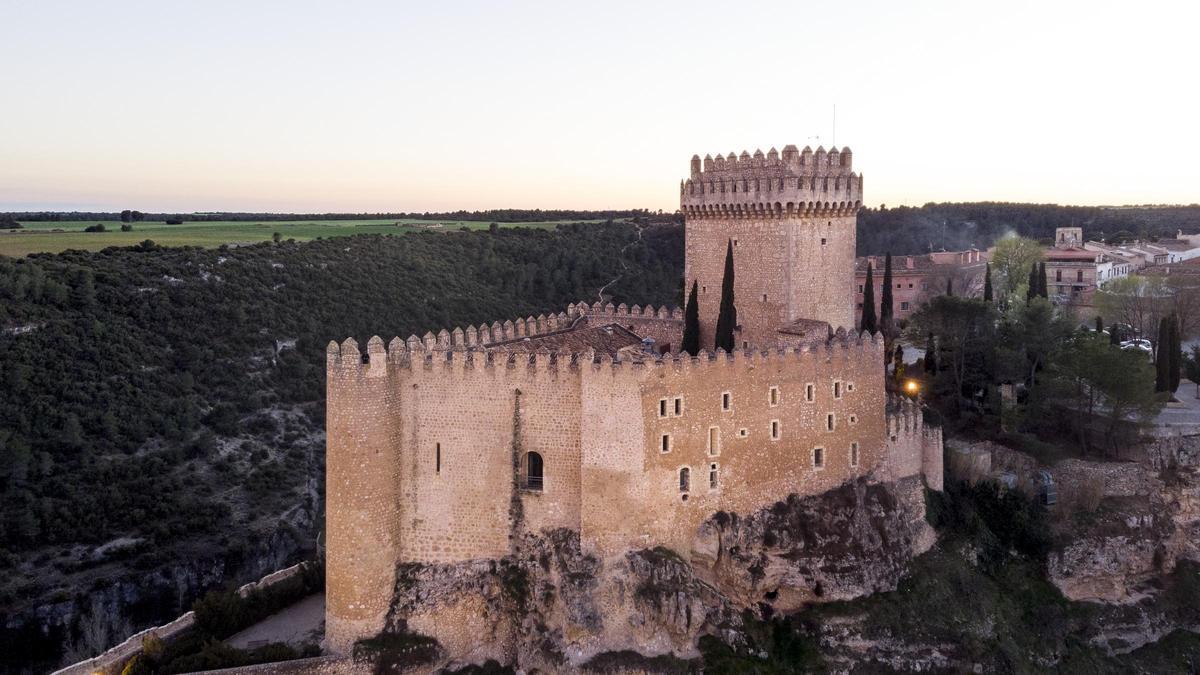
column 958, row 226
column 491, row 215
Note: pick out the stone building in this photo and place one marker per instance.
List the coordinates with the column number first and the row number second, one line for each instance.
column 917, row 278
column 449, row 448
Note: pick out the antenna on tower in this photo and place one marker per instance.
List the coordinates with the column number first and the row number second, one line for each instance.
column 834, row 135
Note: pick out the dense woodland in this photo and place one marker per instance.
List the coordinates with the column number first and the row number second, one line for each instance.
column 489, row 215
column 907, row 230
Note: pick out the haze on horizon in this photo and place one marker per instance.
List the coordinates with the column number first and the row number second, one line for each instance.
column 378, row 106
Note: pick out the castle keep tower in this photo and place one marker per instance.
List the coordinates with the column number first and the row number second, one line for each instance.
column 791, row 220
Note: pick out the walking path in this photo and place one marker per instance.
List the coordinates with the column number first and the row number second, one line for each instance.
column 297, row 625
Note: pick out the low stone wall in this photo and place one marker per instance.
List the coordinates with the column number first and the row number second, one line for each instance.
column 111, row 661
column 320, row 665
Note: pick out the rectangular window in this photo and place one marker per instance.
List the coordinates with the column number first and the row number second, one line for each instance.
column 809, row 392
column 774, row 430
column 773, row 396
column 903, row 306
column 1058, row 275
column 726, row 401
column 854, row 454
column 714, row 440
column 678, row 405
column 837, row 390
column 666, row 442
column 1078, row 275
column 662, row 407
column 849, row 386
column 764, row 297
column 829, row 422
column 712, row 477
column 822, row 241
column 818, row 458
column 860, row 287
column 743, row 432
column 704, row 289
column 438, row 458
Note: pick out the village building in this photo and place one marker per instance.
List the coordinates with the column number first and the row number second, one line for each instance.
column 916, row 278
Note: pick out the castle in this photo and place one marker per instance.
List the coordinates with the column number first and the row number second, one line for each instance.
column 447, row 448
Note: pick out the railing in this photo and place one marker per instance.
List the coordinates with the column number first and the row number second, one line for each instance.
column 533, row 483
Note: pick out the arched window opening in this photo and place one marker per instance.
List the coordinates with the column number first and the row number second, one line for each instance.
column 685, row 479
column 533, row 471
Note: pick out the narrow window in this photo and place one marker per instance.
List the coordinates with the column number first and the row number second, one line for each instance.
column 1079, row 275
column 735, row 242
column 533, row 471
column 818, row 458
column 714, row 440
column 822, row 241
column 666, row 442
column 704, row 289
column 774, row 430
column 685, row 479
column 662, row 407
column 764, row 297
column 773, row 396
column 745, row 344
column 1058, row 275
column 809, row 391
column 712, row 477
column 853, row 419
column 860, row 287
column 854, row 454
column 726, row 401
column 829, row 422
column 678, row 405
column 837, row 389
column 743, row 432
column 438, row 458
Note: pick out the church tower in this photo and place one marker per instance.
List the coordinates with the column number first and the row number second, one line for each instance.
column 790, row 218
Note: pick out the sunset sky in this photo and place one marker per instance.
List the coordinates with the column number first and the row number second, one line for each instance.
column 393, row 106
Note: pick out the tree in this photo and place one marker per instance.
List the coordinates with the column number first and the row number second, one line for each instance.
column 930, row 361
column 276, row 237
column 1012, row 259
column 949, row 285
column 1192, row 364
column 965, row 338
column 727, row 315
column 1174, row 354
column 987, row 282
column 1043, row 289
column 126, row 227
column 869, row 324
column 885, row 302
column 1114, row 334
column 126, row 216
column 1032, row 291
column 691, row 323
column 1162, row 360
column 1136, row 300
column 1099, row 324
column 898, row 363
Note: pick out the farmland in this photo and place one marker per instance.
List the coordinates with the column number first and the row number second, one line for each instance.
column 53, row 237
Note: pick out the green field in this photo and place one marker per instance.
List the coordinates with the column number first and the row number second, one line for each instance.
column 53, row 237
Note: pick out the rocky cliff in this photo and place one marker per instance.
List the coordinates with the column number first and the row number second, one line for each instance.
column 552, row 607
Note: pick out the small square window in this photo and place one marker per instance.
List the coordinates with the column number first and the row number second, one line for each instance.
column 773, row 396
column 818, row 458
column 662, row 407
column 774, row 430
column 678, row 405
column 822, row 241
column 849, row 386
column 809, row 392
column 666, row 443
column 743, row 432
column 854, row 419
column 726, row 401
column 903, row 306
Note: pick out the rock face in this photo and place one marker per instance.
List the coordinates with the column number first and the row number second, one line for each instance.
column 550, row 606
column 1145, row 519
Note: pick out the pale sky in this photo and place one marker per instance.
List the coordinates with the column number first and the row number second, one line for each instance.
column 397, row 106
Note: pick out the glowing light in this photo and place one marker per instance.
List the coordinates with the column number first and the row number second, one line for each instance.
column 911, row 387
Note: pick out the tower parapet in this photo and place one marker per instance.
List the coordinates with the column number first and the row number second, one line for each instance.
column 791, row 183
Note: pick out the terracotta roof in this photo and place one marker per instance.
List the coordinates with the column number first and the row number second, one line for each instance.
column 604, row 339
column 1071, row 254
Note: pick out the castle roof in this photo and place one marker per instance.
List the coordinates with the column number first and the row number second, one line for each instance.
column 811, row 330
column 608, row 338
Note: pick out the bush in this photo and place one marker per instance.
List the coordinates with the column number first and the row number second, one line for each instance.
column 126, row 227
column 98, row 227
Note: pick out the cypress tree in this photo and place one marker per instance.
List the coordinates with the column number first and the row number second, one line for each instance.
column 869, row 323
column 1161, row 360
column 930, row 355
column 1043, row 288
column 987, row 282
column 1099, row 324
column 691, row 323
column 1114, row 335
column 949, row 285
column 1175, row 355
column 885, row 303
column 1032, row 291
column 727, row 318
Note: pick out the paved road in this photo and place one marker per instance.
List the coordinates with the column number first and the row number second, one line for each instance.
column 299, row 624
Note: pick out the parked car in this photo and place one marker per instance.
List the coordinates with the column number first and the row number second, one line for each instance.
column 1139, row 344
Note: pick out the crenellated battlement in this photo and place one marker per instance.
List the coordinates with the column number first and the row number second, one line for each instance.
column 795, row 183
column 417, row 354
